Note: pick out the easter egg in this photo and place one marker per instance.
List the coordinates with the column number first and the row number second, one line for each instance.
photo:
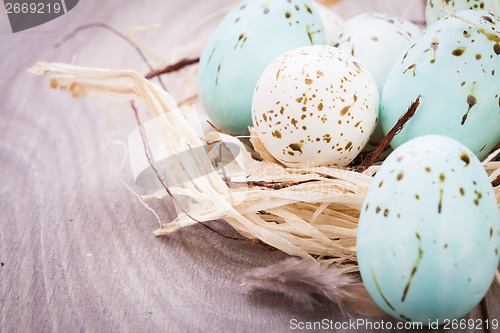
column 433, row 11
column 332, row 22
column 377, row 40
column 429, row 232
column 315, row 105
column 244, row 43
column 455, row 67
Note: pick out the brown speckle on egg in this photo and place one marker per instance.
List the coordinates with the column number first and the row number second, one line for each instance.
column 344, row 110
column 465, row 157
column 487, row 18
column 479, row 196
column 412, row 66
column 458, row 51
column 496, row 48
column 296, row 147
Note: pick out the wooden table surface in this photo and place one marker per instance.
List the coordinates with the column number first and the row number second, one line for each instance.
column 77, row 249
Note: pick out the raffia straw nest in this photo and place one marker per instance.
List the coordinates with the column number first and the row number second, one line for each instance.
column 309, row 212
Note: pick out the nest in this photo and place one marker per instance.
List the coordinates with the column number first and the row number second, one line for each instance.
column 312, row 212
column 307, row 212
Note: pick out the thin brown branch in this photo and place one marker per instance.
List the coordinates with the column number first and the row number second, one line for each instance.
column 150, row 161
column 214, row 127
column 116, row 33
column 386, row 141
column 277, row 185
column 172, row 68
column 496, row 182
column 224, row 235
column 158, row 176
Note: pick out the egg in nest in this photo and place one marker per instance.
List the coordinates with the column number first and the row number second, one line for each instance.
column 429, row 232
column 248, row 38
column 315, row 106
column 455, row 66
column 377, row 40
column 433, row 11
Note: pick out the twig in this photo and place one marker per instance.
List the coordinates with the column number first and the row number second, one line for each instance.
column 114, row 31
column 496, row 182
column 213, row 126
column 172, row 68
column 372, row 157
column 277, row 185
column 224, row 235
column 150, row 161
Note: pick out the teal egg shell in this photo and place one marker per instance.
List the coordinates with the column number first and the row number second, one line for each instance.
column 433, row 11
column 244, row 43
column 429, row 232
column 455, row 66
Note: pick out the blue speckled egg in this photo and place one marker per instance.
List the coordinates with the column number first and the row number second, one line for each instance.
column 429, row 231
column 433, row 11
column 455, row 66
column 244, row 43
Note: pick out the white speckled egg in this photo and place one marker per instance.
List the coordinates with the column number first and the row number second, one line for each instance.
column 455, row 66
column 429, row 232
column 433, row 11
column 332, row 22
column 377, row 40
column 315, row 105
column 244, row 43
